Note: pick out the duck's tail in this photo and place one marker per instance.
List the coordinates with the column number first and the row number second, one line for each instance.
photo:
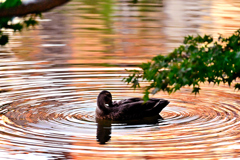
column 159, row 106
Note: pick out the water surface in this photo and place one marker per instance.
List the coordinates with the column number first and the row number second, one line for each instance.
column 51, row 75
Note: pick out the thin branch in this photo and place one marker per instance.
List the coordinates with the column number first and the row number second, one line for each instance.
column 37, row 7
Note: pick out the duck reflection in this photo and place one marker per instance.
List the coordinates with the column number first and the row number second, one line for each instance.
column 104, row 127
column 103, row 131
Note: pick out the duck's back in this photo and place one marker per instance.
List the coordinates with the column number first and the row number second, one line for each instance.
column 135, row 108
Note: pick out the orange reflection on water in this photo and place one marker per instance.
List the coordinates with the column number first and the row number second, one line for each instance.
column 56, row 71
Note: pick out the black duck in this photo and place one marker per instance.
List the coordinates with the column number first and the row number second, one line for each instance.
column 128, row 109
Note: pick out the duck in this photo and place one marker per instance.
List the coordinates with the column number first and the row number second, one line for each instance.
column 127, row 109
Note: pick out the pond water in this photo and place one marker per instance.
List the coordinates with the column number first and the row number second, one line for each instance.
column 51, row 75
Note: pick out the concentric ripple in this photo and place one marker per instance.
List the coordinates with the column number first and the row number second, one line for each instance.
column 50, row 113
column 50, row 78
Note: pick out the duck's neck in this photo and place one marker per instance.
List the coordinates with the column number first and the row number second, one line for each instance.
column 102, row 106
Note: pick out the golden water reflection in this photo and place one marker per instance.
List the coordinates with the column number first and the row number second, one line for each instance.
column 51, row 76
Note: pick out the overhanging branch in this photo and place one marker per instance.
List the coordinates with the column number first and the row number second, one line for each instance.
column 37, row 7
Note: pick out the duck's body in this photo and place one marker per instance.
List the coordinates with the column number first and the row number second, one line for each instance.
column 128, row 109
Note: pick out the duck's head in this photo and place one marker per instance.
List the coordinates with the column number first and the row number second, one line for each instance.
column 105, row 98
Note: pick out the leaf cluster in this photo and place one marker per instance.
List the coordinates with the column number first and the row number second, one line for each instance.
column 10, row 3
column 8, row 23
column 199, row 59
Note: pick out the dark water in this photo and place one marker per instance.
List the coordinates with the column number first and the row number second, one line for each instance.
column 51, row 75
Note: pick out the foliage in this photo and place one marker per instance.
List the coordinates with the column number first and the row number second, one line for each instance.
column 10, row 3
column 200, row 59
column 9, row 22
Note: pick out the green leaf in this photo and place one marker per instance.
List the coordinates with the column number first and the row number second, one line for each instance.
column 135, row 83
column 17, row 27
column 155, row 90
column 196, row 90
column 237, row 86
column 146, row 95
column 30, row 22
column 198, row 60
column 3, row 40
column 10, row 3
